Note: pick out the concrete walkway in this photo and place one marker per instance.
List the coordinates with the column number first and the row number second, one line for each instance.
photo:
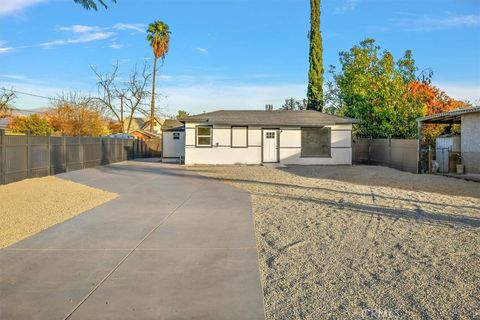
column 174, row 245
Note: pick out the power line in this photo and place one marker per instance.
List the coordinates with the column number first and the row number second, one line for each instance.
column 28, row 94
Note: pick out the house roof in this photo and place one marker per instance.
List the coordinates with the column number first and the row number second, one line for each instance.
column 453, row 116
column 172, row 125
column 145, row 133
column 269, row 118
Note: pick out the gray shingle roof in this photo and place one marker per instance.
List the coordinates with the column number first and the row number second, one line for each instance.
column 269, row 118
column 172, row 125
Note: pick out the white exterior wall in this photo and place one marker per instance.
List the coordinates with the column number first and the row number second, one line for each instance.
column 221, row 151
column 471, row 142
column 173, row 148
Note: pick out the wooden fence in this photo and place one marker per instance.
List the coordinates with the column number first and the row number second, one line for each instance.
column 394, row 153
column 27, row 156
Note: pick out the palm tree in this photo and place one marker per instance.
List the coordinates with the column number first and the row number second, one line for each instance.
column 92, row 4
column 158, row 34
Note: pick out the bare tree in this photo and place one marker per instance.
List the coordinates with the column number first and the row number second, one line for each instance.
column 135, row 93
column 108, row 92
column 6, row 98
column 118, row 99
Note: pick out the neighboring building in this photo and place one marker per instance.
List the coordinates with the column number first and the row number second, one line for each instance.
column 144, row 135
column 157, row 126
column 173, row 132
column 135, row 124
column 274, row 136
column 469, row 119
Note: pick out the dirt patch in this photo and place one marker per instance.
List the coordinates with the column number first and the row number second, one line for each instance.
column 363, row 242
column 32, row 205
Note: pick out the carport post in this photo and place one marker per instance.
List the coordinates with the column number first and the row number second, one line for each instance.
column 419, row 151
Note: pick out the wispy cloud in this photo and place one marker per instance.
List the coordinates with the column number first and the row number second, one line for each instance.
column 82, row 38
column 78, row 28
column 413, row 22
column 12, row 6
column 346, row 6
column 139, row 27
column 6, row 49
column 201, row 50
column 116, row 46
column 13, row 76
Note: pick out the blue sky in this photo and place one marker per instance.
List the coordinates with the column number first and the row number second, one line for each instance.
column 228, row 53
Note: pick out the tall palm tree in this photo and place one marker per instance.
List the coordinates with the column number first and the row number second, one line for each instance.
column 92, row 4
column 158, row 34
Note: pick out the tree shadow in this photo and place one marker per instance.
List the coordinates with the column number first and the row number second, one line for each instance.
column 387, row 177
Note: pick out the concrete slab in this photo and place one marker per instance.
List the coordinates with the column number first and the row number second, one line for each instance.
column 47, row 284
column 180, row 284
column 174, row 245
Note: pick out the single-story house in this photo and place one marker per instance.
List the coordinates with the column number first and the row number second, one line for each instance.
column 469, row 120
column 272, row 136
column 173, row 132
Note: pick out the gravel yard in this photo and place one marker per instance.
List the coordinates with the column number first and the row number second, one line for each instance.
column 32, row 205
column 363, row 242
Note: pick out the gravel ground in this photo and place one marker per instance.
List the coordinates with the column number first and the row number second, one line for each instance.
column 363, row 242
column 30, row 206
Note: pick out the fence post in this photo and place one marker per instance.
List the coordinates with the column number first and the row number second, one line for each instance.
column 49, row 155
column 64, row 151
column 369, row 159
column 389, row 152
column 429, row 159
column 80, row 151
column 123, row 149
column 28, row 153
column 3, row 159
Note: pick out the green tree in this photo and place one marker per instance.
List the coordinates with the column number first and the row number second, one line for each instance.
column 292, row 104
column 181, row 114
column 34, row 124
column 158, row 34
column 374, row 88
column 315, row 73
column 92, row 4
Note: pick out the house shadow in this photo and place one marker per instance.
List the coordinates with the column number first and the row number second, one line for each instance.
column 418, row 214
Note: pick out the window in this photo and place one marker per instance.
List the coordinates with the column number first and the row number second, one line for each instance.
column 316, row 142
column 204, row 136
column 270, row 135
column 176, row 135
column 239, row 137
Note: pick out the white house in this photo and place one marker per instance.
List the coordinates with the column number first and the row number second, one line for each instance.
column 173, row 141
column 270, row 136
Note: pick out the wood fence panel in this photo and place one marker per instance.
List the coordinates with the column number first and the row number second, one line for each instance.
column 26, row 156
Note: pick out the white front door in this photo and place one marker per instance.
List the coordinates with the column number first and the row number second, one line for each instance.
column 270, row 141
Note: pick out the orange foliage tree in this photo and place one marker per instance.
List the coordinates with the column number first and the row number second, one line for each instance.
column 434, row 101
column 75, row 116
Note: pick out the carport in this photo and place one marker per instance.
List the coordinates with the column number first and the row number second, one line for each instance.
column 469, row 119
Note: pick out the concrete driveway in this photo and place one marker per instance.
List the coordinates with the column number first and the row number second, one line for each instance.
column 174, row 245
